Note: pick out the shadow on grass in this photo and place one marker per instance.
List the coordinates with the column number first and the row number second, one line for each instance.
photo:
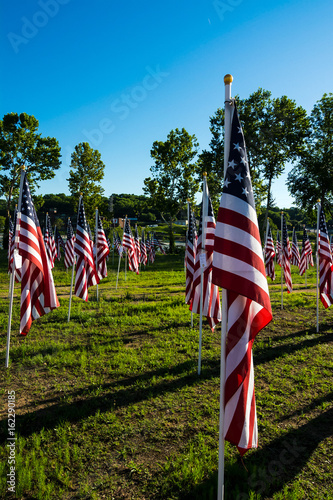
column 271, row 467
column 120, row 393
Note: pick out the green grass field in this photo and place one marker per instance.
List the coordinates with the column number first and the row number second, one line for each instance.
column 110, row 406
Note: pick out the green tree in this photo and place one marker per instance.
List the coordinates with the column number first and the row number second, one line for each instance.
column 312, row 177
column 21, row 144
column 274, row 131
column 173, row 176
column 87, row 171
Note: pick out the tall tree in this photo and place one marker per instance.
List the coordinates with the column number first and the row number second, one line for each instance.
column 274, row 130
column 173, row 175
column 21, row 144
column 312, row 178
column 87, row 171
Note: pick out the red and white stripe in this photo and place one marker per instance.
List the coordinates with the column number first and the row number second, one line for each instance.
column 269, row 255
column 190, row 255
column 143, row 249
column 306, row 254
column 86, row 274
column 325, row 263
column 128, row 243
column 102, row 251
column 211, row 306
column 295, row 256
column 278, row 250
column 286, row 256
column 69, row 246
column 137, row 244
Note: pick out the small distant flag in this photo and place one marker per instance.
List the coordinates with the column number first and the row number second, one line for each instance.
column 69, row 246
column 286, row 256
column 295, row 256
column 102, row 250
column 143, row 249
column 269, row 254
column 59, row 242
column 278, row 249
column 128, row 243
column 305, row 254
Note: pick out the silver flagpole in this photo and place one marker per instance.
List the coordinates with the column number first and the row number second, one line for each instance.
column 72, row 280
column 228, row 111
column 317, row 263
column 13, row 272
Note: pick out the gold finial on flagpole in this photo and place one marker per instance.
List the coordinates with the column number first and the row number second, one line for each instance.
column 228, row 79
column 205, row 174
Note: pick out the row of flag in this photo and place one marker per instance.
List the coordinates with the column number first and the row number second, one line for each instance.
column 31, row 256
column 288, row 255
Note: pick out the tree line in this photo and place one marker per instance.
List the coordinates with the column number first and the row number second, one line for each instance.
column 277, row 131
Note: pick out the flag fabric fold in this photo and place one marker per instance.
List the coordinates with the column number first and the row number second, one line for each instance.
column 306, row 254
column 69, row 246
column 325, row 262
column 211, row 306
column 269, row 255
column 190, row 255
column 143, row 249
column 238, row 267
column 286, row 256
column 129, row 245
column 295, row 256
column 86, row 274
column 38, row 294
column 102, row 250
column 278, row 250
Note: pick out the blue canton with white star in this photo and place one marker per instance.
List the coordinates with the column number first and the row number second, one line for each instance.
column 237, row 181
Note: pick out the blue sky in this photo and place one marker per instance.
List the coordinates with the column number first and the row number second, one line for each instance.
column 121, row 75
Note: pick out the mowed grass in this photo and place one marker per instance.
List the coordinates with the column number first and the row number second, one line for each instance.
column 110, row 406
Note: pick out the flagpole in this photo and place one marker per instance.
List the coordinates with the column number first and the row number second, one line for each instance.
column 96, row 239
column 317, row 265
column 72, row 280
column 11, row 298
column 282, row 270
column 202, row 263
column 228, row 110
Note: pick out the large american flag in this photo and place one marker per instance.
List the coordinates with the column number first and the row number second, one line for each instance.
column 325, row 262
column 69, row 246
column 238, row 267
column 295, row 256
column 86, row 274
column 286, row 255
column 128, row 244
column 305, row 254
column 102, row 250
column 211, row 305
column 190, row 254
column 38, row 294
column 143, row 249
column 269, row 255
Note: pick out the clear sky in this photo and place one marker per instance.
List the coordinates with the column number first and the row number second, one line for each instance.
column 121, row 75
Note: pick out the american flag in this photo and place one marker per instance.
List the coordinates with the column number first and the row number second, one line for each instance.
column 102, row 250
column 86, row 274
column 151, row 248
column 190, row 254
column 137, row 244
column 325, row 262
column 269, row 255
column 59, row 242
column 211, row 305
column 305, row 254
column 12, row 246
column 157, row 244
column 38, row 294
column 286, row 256
column 295, row 256
column 69, row 246
column 117, row 243
column 143, row 249
column 278, row 249
column 49, row 241
column 148, row 247
column 128, row 243
column 238, row 267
